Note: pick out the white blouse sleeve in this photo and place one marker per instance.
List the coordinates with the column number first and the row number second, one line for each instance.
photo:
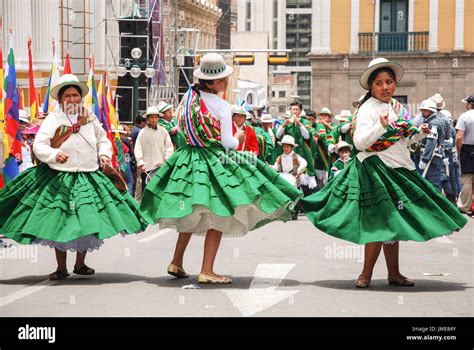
column 227, row 139
column 104, row 146
column 367, row 130
column 42, row 144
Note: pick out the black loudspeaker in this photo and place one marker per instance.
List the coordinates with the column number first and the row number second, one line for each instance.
column 129, row 26
column 128, row 43
column 186, row 71
column 125, row 85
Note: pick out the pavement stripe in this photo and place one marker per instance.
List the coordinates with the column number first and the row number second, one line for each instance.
column 25, row 292
column 156, row 235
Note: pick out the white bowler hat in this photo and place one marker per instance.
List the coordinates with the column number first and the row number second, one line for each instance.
column 69, row 79
column 152, row 110
column 344, row 115
column 213, row 67
column 439, row 100
column 288, row 140
column 428, row 104
column 343, row 144
column 377, row 63
column 267, row 118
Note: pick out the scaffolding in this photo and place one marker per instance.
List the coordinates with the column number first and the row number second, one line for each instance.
column 131, row 24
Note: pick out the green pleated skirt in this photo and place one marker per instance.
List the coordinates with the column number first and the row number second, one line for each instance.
column 198, row 189
column 371, row 202
column 66, row 210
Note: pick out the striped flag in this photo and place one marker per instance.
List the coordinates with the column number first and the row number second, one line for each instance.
column 91, row 101
column 33, row 95
column 114, row 122
column 49, row 103
column 12, row 118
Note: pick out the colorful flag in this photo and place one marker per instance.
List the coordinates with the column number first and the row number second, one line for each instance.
column 91, row 101
column 49, row 103
column 32, row 93
column 2, row 110
column 12, row 132
column 114, row 122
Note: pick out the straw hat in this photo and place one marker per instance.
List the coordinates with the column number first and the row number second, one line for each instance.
column 66, row 80
column 428, row 105
column 377, row 63
column 326, row 111
column 267, row 118
column 120, row 130
column 344, row 115
column 163, row 107
column 439, row 100
column 343, row 144
column 213, row 67
column 23, row 116
column 288, row 140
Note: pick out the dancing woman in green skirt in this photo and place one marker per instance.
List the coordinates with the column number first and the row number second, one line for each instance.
column 208, row 188
column 66, row 203
column 379, row 199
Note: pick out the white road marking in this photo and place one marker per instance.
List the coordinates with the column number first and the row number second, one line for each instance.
column 24, row 292
column 156, row 235
column 262, row 293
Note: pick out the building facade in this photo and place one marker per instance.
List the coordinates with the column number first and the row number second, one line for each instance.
column 432, row 39
column 289, row 24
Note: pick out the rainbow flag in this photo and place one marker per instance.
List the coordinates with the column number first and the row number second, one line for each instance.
column 12, row 118
column 32, row 93
column 49, row 103
column 91, row 101
column 2, row 115
column 113, row 117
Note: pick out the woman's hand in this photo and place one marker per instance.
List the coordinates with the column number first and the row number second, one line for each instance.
column 384, row 119
column 104, row 160
column 425, row 127
column 240, row 135
column 62, row 157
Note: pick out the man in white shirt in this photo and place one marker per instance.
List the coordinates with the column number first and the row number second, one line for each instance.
column 153, row 147
column 465, row 150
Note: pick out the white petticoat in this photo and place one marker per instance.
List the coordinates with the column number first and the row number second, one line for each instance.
column 245, row 218
column 84, row 244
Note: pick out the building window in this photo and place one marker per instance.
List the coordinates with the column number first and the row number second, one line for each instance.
column 298, row 38
column 282, row 94
column 273, row 94
column 282, row 109
column 248, row 16
column 302, row 4
column 249, row 99
column 304, row 88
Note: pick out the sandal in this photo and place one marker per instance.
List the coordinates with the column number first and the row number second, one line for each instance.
column 58, row 275
column 84, row 270
column 405, row 282
column 361, row 283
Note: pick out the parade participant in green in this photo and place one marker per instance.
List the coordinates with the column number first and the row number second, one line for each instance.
column 66, row 203
column 208, row 188
column 344, row 150
column 266, row 134
column 382, row 196
column 165, row 112
column 343, row 131
column 300, row 130
column 325, row 146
